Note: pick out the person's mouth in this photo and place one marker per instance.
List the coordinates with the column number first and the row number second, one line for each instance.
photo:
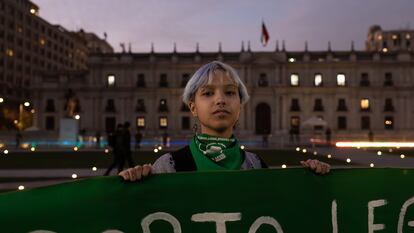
column 221, row 112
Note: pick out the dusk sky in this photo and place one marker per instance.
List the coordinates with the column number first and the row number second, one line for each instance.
column 207, row 22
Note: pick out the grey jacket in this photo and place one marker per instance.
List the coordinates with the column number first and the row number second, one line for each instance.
column 165, row 163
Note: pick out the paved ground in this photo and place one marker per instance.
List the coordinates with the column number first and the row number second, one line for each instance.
column 10, row 180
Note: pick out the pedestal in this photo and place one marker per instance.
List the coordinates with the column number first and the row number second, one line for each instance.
column 68, row 131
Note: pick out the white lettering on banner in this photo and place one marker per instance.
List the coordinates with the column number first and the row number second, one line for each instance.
column 219, row 218
column 112, row 231
column 146, row 222
column 334, row 214
column 371, row 205
column 402, row 215
column 265, row 220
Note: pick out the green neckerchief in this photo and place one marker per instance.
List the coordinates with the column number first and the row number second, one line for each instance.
column 214, row 153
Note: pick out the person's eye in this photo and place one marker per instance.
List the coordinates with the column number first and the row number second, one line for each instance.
column 230, row 92
column 208, row 93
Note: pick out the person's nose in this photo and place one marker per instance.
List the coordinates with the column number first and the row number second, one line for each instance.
column 220, row 98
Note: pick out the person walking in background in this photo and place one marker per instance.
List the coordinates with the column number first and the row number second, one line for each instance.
column 115, row 142
column 18, row 139
column 328, row 135
column 98, row 139
column 371, row 136
column 126, row 145
column 138, row 139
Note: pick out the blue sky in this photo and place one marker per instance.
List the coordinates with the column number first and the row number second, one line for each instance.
column 207, row 22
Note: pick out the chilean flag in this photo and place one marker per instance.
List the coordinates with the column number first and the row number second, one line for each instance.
column 265, row 35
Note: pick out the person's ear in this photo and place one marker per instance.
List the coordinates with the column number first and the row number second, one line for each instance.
column 192, row 108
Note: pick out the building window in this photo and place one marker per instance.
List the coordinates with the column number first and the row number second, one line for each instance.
column 317, row 80
column 318, row 105
column 110, row 106
column 388, row 80
column 50, row 105
column 50, row 123
column 141, row 122
column 294, row 80
column 163, row 80
column 342, row 123
column 364, row 104
column 342, row 106
column 140, row 106
column 340, row 80
column 163, row 107
column 163, row 122
column 389, row 122
column 141, row 80
column 110, row 81
column 388, row 107
column 294, row 105
column 365, row 122
column 263, row 80
column 110, row 123
column 185, row 123
column 184, row 108
column 184, row 79
column 364, row 80
column 295, row 122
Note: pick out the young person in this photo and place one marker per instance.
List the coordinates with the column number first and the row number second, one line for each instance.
column 215, row 95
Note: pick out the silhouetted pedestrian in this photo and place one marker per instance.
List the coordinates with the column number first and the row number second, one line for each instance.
column 126, row 148
column 18, row 139
column 328, row 135
column 115, row 141
column 138, row 139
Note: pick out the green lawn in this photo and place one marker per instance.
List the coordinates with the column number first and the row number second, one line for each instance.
column 83, row 159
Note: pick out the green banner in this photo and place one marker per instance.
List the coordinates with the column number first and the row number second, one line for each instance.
column 283, row 200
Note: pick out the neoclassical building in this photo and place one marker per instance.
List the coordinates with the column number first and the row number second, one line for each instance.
column 351, row 92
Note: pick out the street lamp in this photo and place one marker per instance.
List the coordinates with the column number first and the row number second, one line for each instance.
column 1, row 100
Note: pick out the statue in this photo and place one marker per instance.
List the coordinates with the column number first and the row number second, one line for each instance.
column 71, row 103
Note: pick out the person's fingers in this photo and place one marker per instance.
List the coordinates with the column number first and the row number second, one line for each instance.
column 124, row 174
column 305, row 164
column 312, row 164
column 146, row 170
column 132, row 174
column 138, row 172
column 319, row 168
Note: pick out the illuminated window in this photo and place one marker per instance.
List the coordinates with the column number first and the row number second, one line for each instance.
column 389, row 122
column 294, row 122
column 364, row 104
column 42, row 41
column 407, row 36
column 163, row 122
column 318, row 80
column 111, row 80
column 340, row 80
column 10, row 52
column 141, row 122
column 294, row 80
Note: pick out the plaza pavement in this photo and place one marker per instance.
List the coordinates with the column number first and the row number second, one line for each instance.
column 44, row 177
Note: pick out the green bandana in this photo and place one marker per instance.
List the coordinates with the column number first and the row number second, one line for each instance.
column 214, row 153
